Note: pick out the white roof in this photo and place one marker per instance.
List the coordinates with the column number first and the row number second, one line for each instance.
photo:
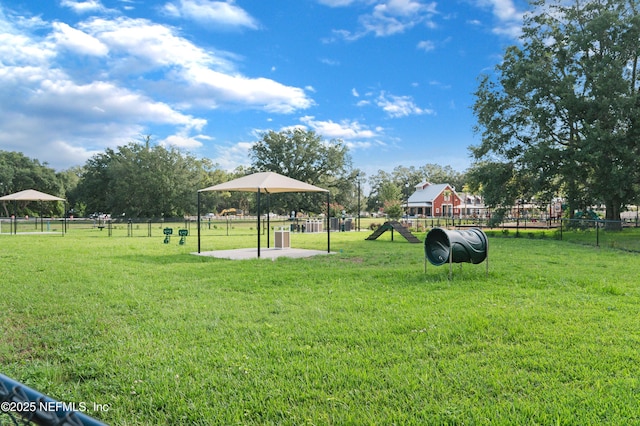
column 426, row 195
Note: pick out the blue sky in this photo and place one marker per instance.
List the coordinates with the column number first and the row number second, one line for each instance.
column 394, row 79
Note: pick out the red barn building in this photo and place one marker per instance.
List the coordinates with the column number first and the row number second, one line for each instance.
column 434, row 200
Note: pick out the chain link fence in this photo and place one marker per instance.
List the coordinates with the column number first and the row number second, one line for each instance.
column 616, row 234
column 21, row 405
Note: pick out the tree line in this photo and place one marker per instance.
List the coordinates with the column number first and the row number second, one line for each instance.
column 142, row 179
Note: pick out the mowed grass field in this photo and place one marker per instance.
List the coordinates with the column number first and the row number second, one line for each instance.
column 156, row 335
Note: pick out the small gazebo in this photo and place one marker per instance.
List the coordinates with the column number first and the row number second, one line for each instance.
column 29, row 195
column 267, row 183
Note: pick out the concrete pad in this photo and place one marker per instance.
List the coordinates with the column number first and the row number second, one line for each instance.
column 265, row 253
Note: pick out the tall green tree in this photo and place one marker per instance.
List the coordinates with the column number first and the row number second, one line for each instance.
column 352, row 192
column 69, row 180
column 305, row 156
column 561, row 113
column 378, row 183
column 435, row 173
column 143, row 180
column 405, row 178
column 18, row 172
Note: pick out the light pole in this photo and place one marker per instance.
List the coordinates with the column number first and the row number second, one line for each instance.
column 406, row 197
column 358, row 179
column 518, row 213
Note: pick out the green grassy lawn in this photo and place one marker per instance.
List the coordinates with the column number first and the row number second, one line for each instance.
column 362, row 336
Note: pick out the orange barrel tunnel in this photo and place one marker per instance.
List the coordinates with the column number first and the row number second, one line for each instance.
column 468, row 246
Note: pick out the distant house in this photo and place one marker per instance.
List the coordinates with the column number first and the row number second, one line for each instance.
column 434, row 200
column 472, row 206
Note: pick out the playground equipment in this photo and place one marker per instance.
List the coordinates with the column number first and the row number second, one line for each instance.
column 391, row 226
column 464, row 246
column 230, row 212
column 587, row 214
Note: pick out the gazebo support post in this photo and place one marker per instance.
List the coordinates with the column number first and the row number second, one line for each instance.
column 258, row 201
column 328, row 227
column 15, row 217
column 198, row 211
column 268, row 219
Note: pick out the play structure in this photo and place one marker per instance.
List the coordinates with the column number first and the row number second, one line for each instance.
column 394, row 225
column 464, row 246
column 230, row 212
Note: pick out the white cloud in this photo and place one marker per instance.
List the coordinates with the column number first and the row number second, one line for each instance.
column 230, row 157
column 86, row 6
column 426, row 45
column 504, row 10
column 343, row 130
column 337, row 35
column 387, row 17
column 98, row 101
column 336, row 3
column 354, row 135
column 183, row 140
column 403, row 8
column 128, row 4
column 17, row 48
column 508, row 17
column 64, row 153
column 150, row 45
column 77, row 41
column 330, row 62
column 207, row 79
column 400, row 106
column 56, row 116
column 215, row 88
column 147, row 77
column 219, row 13
column 45, row 114
column 440, row 85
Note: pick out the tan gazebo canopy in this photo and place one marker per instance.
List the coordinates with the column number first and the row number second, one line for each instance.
column 268, row 183
column 30, row 195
